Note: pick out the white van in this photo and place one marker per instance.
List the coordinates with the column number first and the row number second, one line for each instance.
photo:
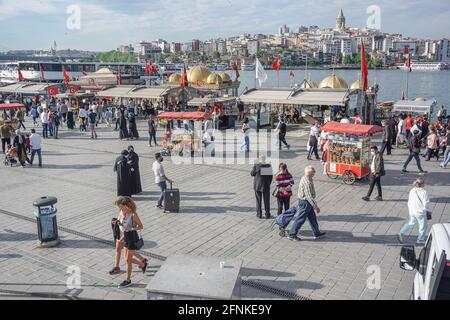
column 432, row 280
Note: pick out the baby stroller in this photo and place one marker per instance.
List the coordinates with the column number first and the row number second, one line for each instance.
column 10, row 158
column 283, row 220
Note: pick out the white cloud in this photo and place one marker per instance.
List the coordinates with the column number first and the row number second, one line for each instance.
column 9, row 8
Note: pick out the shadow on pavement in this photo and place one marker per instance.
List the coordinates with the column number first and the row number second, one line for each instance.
column 11, row 236
column 216, row 209
column 246, row 272
column 358, row 218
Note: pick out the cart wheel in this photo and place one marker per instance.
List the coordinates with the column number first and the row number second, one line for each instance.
column 349, row 177
column 332, row 176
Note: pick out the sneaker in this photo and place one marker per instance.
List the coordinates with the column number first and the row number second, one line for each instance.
column 367, row 199
column 379, row 198
column 144, row 268
column 423, row 172
column 400, row 239
column 124, row 284
column 294, row 238
column 160, row 206
column 114, row 271
column 320, row 235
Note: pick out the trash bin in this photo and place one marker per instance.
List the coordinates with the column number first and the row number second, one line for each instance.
column 45, row 214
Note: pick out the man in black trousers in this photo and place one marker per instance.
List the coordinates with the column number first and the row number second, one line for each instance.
column 376, row 172
column 263, row 176
column 387, row 140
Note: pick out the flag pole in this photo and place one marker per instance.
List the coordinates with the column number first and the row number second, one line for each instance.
column 407, row 84
column 278, row 77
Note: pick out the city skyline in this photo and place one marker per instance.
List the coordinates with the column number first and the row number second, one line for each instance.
column 132, row 22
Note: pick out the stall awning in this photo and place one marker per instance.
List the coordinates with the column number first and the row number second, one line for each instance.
column 321, row 98
column 196, row 102
column 11, row 106
column 11, row 88
column 357, row 129
column 422, row 107
column 148, row 93
column 116, row 92
column 267, row 96
column 26, row 88
column 196, row 116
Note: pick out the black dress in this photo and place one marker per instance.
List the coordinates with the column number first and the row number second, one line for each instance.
column 133, row 128
column 133, row 162
column 123, row 127
column 122, row 169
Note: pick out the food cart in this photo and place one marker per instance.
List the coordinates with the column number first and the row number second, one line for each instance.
column 349, row 150
column 5, row 108
column 182, row 140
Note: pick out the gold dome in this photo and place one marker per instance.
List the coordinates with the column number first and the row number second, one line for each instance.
column 309, row 84
column 175, row 78
column 356, row 85
column 198, row 73
column 333, row 82
column 214, row 78
column 225, row 77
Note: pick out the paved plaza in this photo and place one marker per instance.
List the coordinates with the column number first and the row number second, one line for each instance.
column 217, row 219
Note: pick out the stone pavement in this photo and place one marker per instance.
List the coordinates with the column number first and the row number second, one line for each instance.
column 217, row 219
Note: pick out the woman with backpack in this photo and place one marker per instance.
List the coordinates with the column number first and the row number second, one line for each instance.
column 284, row 182
column 129, row 225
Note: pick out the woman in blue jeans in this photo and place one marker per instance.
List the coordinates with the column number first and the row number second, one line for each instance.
column 446, row 162
column 419, row 212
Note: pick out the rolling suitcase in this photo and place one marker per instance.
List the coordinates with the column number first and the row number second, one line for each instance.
column 172, row 200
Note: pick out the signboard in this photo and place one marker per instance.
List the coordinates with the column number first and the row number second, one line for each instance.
column 333, row 167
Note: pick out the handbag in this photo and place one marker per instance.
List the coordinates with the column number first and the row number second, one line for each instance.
column 429, row 213
column 139, row 241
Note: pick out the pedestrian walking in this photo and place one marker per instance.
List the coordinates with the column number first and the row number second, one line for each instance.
column 308, row 207
column 263, row 177
column 387, row 139
column 135, row 174
column 284, row 182
column 376, row 172
column 93, row 123
column 19, row 143
column 108, row 117
column 432, row 144
column 160, row 178
column 282, row 130
column 414, row 151
column 151, row 131
column 419, row 212
column 246, row 135
column 44, row 121
column 82, row 115
column 442, row 113
column 313, row 142
column 401, row 131
column 123, row 133
column 122, row 168
column 34, row 113
column 130, row 225
column 393, row 125
column 36, row 147
column 117, row 116
column 56, row 122
column 5, row 133
column 20, row 115
column 133, row 133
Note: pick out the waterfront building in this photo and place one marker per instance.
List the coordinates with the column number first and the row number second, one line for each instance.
column 340, row 21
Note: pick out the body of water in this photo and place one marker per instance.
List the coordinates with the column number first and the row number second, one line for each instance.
column 429, row 84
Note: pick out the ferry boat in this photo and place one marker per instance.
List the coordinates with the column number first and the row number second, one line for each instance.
column 248, row 67
column 426, row 66
column 53, row 70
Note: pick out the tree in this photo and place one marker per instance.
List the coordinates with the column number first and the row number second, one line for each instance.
column 161, row 58
column 116, row 56
column 216, row 55
column 348, row 59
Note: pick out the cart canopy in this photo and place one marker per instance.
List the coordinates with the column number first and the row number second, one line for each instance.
column 416, row 106
column 357, row 129
column 11, row 106
column 196, row 116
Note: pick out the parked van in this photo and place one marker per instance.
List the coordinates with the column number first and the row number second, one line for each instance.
column 432, row 280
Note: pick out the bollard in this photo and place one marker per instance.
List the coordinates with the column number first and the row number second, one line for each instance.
column 45, row 214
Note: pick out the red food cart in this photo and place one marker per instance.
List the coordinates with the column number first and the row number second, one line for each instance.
column 5, row 108
column 349, row 150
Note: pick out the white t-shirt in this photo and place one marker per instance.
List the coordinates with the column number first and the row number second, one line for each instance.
column 44, row 117
column 246, row 129
column 345, row 121
column 35, row 141
column 83, row 113
column 158, row 170
column 402, row 127
column 419, row 201
column 69, row 106
column 372, row 166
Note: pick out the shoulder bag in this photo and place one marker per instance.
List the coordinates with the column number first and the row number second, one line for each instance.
column 139, row 241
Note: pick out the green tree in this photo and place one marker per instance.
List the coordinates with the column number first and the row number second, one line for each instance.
column 216, row 55
column 161, row 58
column 348, row 59
column 116, row 56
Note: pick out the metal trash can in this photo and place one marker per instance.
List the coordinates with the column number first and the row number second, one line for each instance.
column 45, row 214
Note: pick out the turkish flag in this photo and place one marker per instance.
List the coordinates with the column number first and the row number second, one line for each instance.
column 236, row 71
column 74, row 89
column 52, row 91
column 19, row 74
column 184, row 78
column 277, row 64
column 66, row 76
column 364, row 69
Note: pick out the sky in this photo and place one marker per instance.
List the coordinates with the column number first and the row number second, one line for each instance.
column 104, row 25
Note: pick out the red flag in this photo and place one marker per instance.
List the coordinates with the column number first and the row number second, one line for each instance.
column 41, row 70
column 66, row 76
column 277, row 64
column 147, row 69
column 74, row 89
column 153, row 69
column 236, row 71
column 409, row 63
column 20, row 76
column 184, row 78
column 364, row 69
column 292, row 74
column 52, row 91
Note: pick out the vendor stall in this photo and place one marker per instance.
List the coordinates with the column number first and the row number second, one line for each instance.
column 348, row 153
column 8, row 111
column 225, row 107
column 185, row 140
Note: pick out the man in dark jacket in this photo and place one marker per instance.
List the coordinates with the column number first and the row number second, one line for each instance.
column 123, row 175
column 282, row 129
column 135, row 174
column 387, row 140
column 414, row 152
column 263, row 176
column 392, row 123
column 376, row 172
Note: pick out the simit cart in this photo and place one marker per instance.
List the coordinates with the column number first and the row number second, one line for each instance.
column 349, row 150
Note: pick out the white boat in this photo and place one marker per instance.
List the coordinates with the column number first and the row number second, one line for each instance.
column 53, row 70
column 248, row 67
column 426, row 66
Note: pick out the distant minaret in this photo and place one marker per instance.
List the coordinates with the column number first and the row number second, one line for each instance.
column 340, row 21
